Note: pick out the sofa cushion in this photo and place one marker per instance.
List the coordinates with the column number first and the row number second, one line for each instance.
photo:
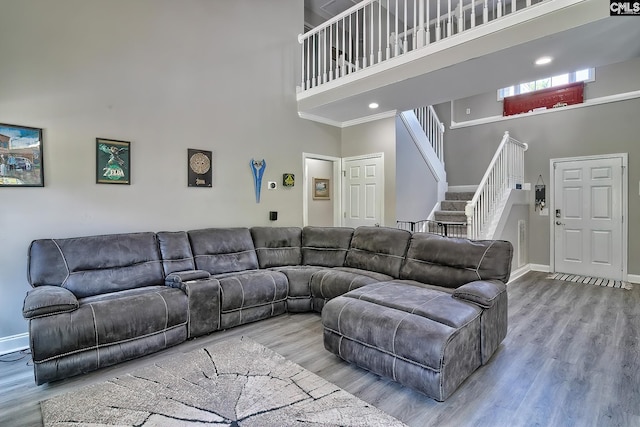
column 452, row 262
column 251, row 289
column 223, row 250
column 378, row 249
column 176, row 251
column 108, row 319
column 277, row 246
column 97, row 264
column 325, row 246
column 330, row 283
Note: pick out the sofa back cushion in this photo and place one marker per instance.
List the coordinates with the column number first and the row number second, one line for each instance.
column 277, row 246
column 452, row 262
column 223, row 250
column 379, row 249
column 96, row 265
column 175, row 250
column 325, row 246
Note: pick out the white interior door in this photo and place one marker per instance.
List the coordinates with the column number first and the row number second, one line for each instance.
column 363, row 190
column 588, row 217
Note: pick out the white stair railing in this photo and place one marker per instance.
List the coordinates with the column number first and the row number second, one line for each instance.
column 433, row 129
column 374, row 31
column 505, row 171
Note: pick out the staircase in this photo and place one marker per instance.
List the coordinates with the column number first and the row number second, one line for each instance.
column 451, row 219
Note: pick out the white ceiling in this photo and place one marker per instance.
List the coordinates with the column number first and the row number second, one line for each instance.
column 482, row 65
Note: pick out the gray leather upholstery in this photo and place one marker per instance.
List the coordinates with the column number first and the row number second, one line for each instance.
column 175, row 250
column 325, row 246
column 378, row 249
column 98, row 264
column 452, row 262
column 93, row 335
column 99, row 300
column 223, row 250
column 277, row 246
column 421, row 338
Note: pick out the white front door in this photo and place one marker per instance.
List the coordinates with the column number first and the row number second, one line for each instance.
column 363, row 190
column 588, row 217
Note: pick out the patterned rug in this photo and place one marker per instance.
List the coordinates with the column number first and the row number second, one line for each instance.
column 606, row 283
column 232, row 383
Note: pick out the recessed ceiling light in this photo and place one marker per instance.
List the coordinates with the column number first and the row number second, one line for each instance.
column 544, row 60
column 373, row 105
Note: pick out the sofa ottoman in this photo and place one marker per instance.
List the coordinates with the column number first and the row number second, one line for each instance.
column 422, row 338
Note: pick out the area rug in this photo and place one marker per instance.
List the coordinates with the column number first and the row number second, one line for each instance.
column 233, row 383
column 606, row 283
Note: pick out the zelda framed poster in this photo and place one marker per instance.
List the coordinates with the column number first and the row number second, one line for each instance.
column 199, row 168
column 21, row 163
column 113, row 161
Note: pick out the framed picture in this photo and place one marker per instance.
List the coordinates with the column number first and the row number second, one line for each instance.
column 199, row 168
column 321, row 189
column 21, row 162
column 113, row 161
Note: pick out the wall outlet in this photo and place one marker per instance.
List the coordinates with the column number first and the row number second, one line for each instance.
column 468, row 110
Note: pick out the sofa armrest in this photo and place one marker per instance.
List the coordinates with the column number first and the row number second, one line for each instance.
column 483, row 293
column 203, row 294
column 48, row 300
column 176, row 279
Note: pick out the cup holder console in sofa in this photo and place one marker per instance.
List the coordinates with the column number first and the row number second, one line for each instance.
column 101, row 300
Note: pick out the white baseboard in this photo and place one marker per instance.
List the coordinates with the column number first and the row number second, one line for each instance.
column 14, row 343
column 540, row 267
column 633, row 278
column 516, row 274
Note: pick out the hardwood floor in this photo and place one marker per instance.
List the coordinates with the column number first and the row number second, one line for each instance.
column 571, row 358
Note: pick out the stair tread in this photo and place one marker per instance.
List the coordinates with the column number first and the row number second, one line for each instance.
column 459, row 195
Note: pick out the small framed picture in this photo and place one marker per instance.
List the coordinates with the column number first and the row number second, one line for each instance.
column 321, row 189
column 199, row 168
column 21, row 162
column 113, row 161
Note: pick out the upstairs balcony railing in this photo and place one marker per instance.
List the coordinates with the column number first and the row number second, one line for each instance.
column 374, row 31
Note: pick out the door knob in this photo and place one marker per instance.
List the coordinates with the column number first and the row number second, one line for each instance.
column 559, row 223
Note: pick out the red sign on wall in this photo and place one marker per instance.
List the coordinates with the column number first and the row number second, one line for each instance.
column 554, row 97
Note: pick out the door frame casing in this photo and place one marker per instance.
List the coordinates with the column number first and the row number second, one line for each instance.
column 624, row 207
column 336, row 187
column 379, row 155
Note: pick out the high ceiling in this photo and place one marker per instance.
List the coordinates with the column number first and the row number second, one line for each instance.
column 482, row 65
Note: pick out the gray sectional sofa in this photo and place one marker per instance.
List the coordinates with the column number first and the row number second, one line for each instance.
column 422, row 309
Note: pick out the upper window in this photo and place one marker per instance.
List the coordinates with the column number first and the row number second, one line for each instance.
column 586, row 75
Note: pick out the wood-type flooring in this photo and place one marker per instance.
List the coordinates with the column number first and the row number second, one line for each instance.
column 571, row 358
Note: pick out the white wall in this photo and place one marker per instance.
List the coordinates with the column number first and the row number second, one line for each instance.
column 166, row 75
column 320, row 211
column 416, row 185
column 376, row 137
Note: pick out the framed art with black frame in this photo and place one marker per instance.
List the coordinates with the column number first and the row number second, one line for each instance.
column 113, row 161
column 21, row 161
column 199, row 168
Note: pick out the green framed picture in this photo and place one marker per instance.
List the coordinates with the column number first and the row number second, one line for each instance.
column 113, row 161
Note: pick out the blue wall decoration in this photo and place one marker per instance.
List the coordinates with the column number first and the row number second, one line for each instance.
column 257, row 167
